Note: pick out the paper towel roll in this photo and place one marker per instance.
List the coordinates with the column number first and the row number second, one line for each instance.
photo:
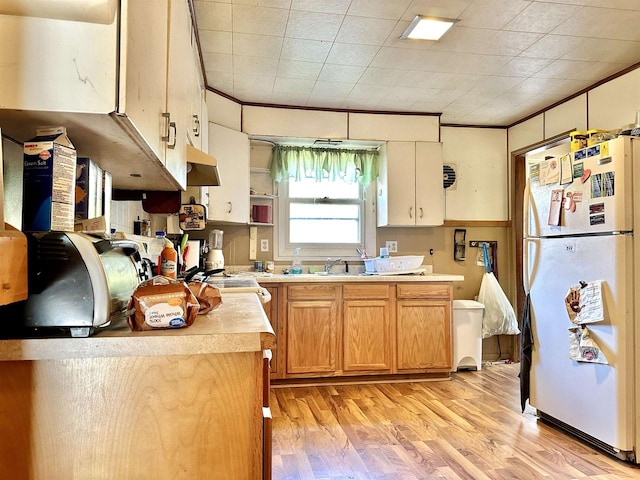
column 193, row 254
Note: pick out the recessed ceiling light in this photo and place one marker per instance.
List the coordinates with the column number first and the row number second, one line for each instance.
column 428, row 28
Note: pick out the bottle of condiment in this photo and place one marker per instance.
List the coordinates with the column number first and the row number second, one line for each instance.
column 169, row 261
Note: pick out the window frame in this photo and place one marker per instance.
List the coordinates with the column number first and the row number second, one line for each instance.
column 284, row 251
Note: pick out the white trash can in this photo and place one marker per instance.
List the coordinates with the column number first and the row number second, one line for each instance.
column 467, row 334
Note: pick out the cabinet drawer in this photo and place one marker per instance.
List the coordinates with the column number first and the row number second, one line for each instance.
column 365, row 291
column 311, row 291
column 423, row 290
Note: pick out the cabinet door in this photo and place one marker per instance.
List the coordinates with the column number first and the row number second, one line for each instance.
column 401, row 183
column 229, row 202
column 366, row 335
column 311, row 336
column 424, row 334
column 429, row 189
column 179, row 90
column 144, row 39
column 271, row 309
column 58, row 65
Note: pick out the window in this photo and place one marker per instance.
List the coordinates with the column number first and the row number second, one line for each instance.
column 324, row 203
column 325, row 219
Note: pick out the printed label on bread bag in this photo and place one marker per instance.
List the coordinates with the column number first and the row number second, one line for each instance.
column 164, row 315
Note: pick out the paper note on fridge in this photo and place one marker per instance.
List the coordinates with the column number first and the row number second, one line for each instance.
column 583, row 347
column 584, row 303
column 555, row 207
column 549, row 171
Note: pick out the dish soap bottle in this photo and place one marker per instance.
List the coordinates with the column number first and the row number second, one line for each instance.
column 296, row 264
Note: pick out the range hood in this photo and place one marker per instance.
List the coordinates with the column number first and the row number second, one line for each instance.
column 202, row 169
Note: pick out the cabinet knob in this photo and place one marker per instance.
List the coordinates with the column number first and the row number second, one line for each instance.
column 410, row 212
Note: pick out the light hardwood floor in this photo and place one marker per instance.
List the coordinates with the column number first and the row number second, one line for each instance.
column 468, row 428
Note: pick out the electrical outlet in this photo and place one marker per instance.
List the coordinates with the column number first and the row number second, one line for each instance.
column 264, row 245
column 392, row 245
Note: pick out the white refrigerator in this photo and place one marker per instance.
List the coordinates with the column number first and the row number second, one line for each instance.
column 579, row 221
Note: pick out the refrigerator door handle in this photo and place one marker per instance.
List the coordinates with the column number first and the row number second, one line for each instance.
column 526, row 210
column 526, row 284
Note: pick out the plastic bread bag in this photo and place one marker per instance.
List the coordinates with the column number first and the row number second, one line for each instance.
column 161, row 303
column 208, row 296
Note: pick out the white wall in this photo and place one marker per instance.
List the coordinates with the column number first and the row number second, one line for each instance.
column 479, row 156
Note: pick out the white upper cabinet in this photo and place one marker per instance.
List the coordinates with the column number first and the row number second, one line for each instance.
column 370, row 126
column 125, row 90
column 410, row 189
column 294, row 122
column 229, row 202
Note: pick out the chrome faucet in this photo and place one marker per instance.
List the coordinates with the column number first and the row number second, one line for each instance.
column 330, row 263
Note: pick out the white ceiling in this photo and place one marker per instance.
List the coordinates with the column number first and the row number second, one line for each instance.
column 503, row 60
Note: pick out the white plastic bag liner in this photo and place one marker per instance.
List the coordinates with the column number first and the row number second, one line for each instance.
column 499, row 317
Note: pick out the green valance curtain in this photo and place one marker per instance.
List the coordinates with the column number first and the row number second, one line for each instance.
column 324, row 163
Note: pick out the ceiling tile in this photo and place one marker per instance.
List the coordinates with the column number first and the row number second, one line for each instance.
column 602, row 23
column 503, row 59
column 598, row 49
column 381, row 76
column 492, row 13
column 253, row 83
column 325, row 6
column 305, row 50
column 341, row 73
column 289, row 98
column 552, row 46
column 436, row 8
column 523, row 66
column 265, row 3
column 296, row 86
column 331, row 89
column 378, row 8
column 222, row 81
column 367, row 31
column 213, row 15
column 541, row 17
column 575, row 70
column 216, row 42
column 312, row 25
column 259, row 20
column 218, row 62
column 257, row 45
column 325, row 102
column 478, row 40
column 255, row 65
column 352, row 54
column 295, row 69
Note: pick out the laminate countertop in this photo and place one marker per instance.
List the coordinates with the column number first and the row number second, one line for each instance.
column 239, row 324
column 356, row 277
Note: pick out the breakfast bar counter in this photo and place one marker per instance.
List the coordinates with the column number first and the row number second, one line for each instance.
column 171, row 404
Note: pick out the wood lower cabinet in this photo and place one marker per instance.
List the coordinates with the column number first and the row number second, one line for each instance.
column 423, row 327
column 351, row 329
column 366, row 329
column 311, row 330
column 272, row 311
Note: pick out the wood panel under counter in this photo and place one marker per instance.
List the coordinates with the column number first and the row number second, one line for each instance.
column 169, row 404
column 338, row 327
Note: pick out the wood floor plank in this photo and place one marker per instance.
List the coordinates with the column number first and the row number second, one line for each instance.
column 466, row 428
